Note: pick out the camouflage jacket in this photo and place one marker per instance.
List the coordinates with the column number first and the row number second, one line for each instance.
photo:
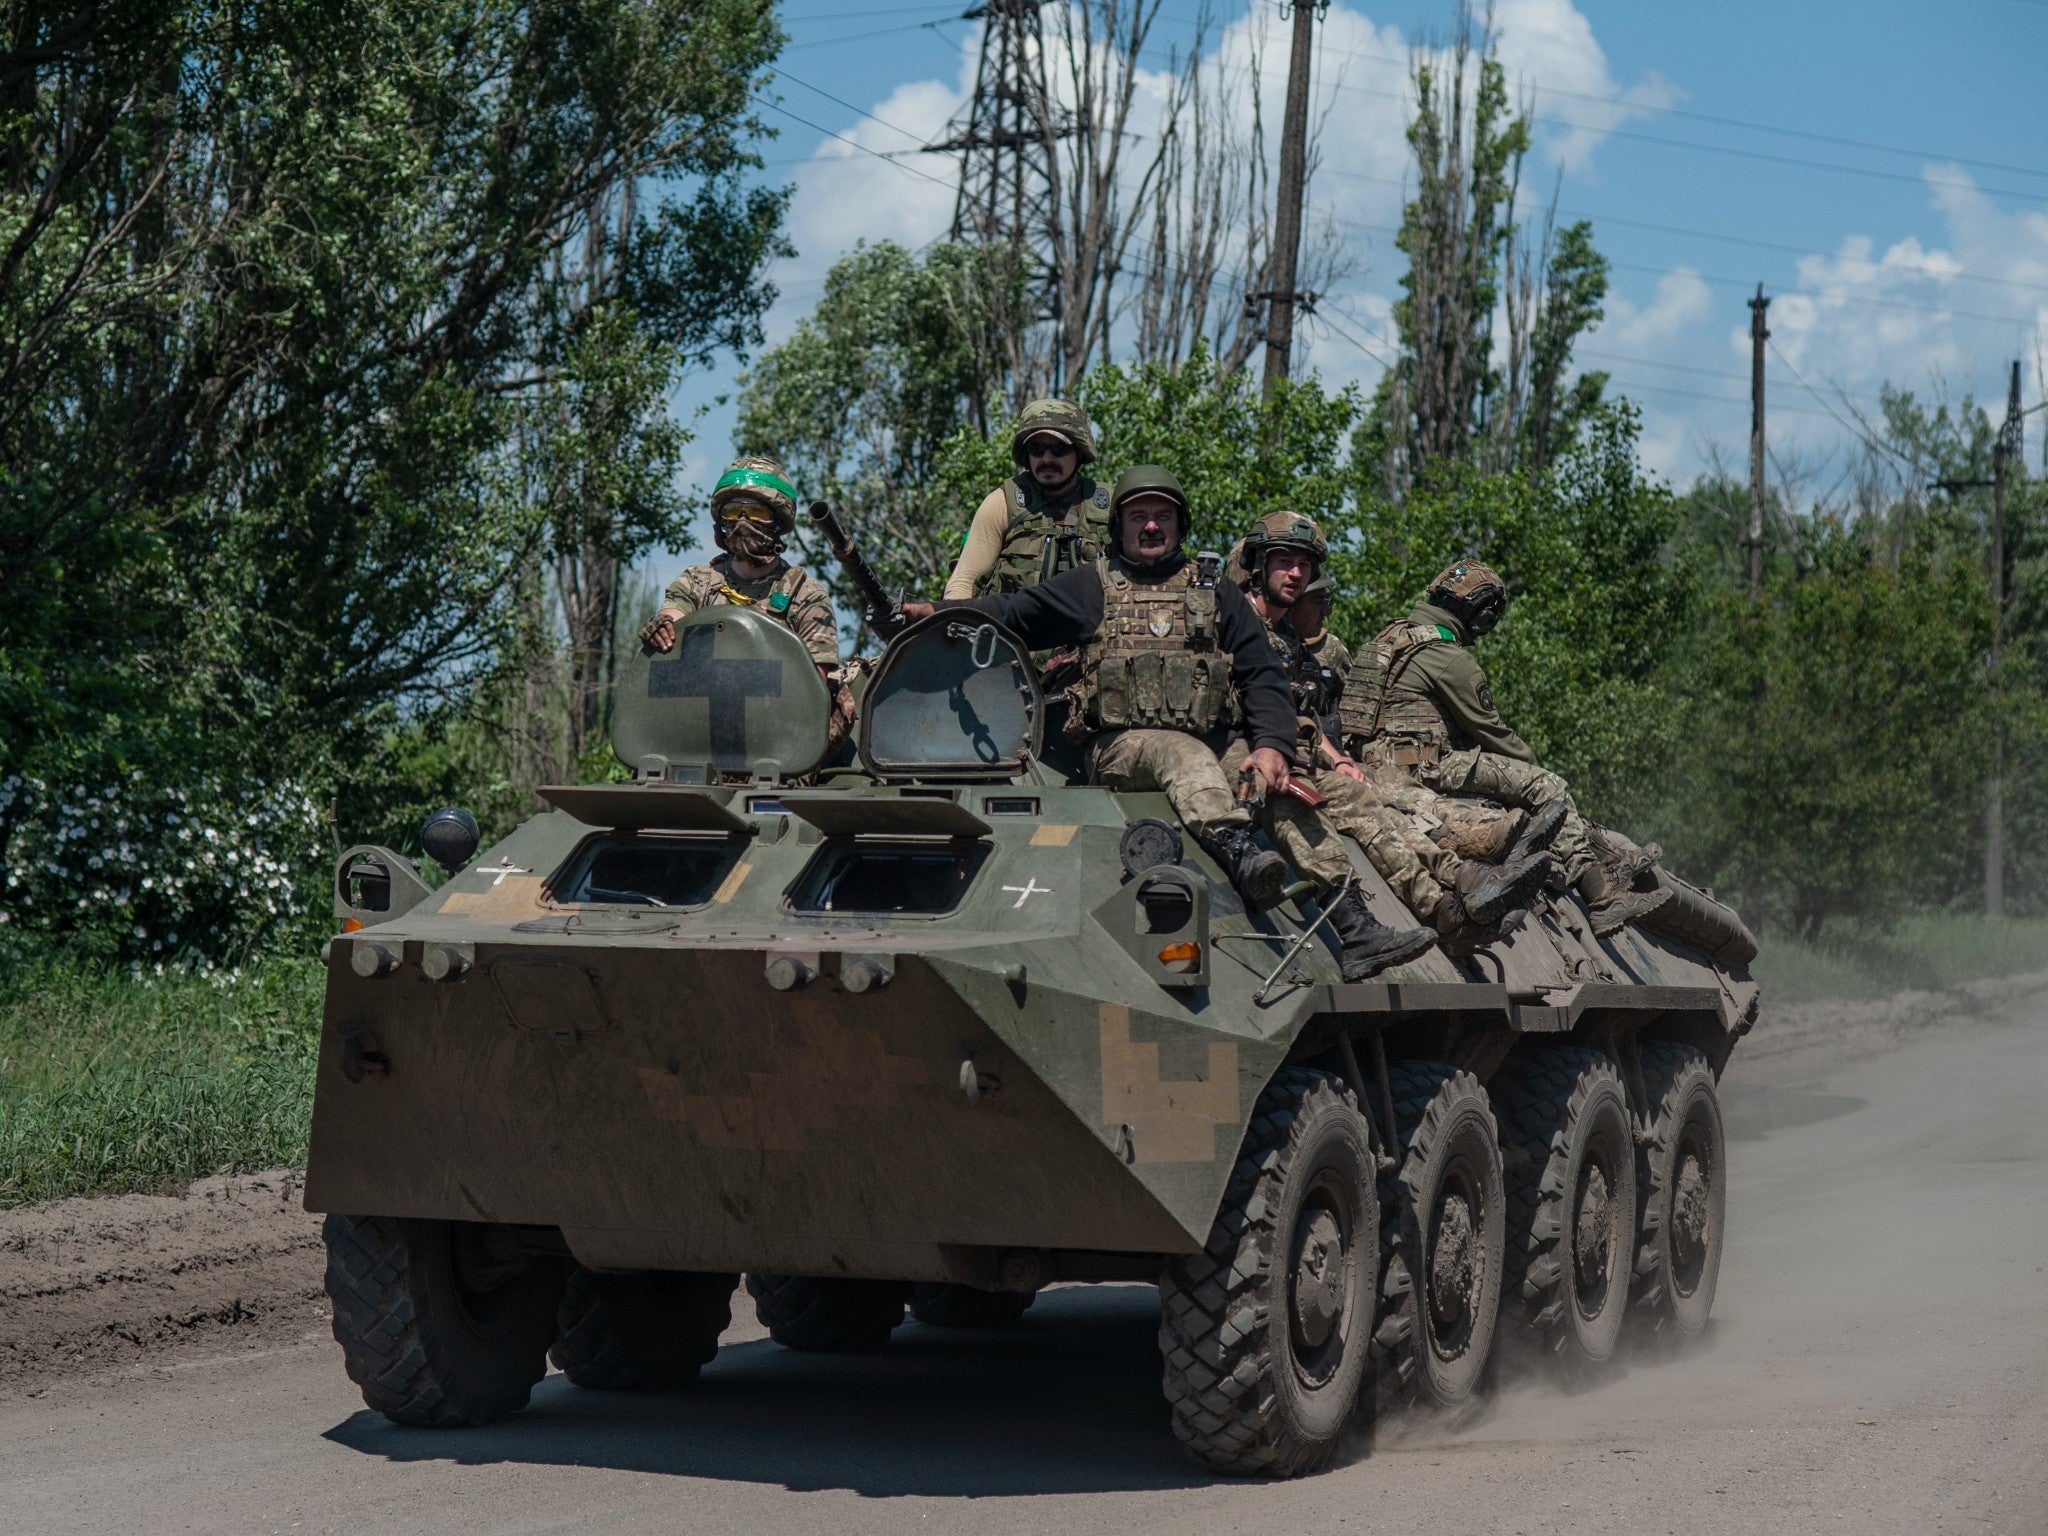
column 789, row 593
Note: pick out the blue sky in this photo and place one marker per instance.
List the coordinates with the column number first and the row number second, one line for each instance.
column 1879, row 168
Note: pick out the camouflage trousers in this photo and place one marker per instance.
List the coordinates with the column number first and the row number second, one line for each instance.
column 1514, row 782
column 1182, row 767
column 1312, row 838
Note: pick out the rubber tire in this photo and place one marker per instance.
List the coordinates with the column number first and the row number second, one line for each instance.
column 831, row 1314
column 1685, row 1112
column 1444, row 1129
column 1564, row 1110
column 650, row 1331
column 962, row 1306
column 1232, row 1376
column 412, row 1337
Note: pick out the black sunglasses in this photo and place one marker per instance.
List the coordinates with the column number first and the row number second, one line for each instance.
column 1048, row 450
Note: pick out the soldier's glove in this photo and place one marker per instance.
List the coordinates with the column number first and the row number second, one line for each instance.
column 651, row 633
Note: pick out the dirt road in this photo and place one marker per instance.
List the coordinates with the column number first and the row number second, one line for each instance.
column 1879, row 1364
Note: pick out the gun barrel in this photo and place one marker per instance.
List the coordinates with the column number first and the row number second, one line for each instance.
column 881, row 613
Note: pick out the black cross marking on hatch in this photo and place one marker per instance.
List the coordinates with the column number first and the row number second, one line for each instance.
column 725, row 685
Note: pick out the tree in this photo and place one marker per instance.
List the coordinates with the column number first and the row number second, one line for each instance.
column 319, row 325
column 1448, row 398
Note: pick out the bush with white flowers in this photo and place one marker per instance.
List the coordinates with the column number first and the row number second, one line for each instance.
column 129, row 869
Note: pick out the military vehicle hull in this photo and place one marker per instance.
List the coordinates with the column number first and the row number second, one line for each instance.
column 944, row 1033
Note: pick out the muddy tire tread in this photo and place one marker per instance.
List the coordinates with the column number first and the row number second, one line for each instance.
column 1213, row 1333
column 615, row 1335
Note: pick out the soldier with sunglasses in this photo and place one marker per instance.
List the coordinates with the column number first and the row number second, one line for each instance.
column 1047, row 518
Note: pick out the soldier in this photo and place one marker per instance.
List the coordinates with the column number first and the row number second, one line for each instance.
column 1162, row 648
column 753, row 509
column 1281, row 561
column 1467, row 828
column 1047, row 518
column 1418, row 700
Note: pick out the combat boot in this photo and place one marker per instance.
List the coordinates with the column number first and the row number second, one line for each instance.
column 1259, row 874
column 1489, row 840
column 1491, row 891
column 1541, row 831
column 1612, row 906
column 1366, row 945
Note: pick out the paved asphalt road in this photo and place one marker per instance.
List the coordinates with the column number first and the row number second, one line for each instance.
column 1879, row 1363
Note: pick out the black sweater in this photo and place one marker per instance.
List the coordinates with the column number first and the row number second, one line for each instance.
column 1067, row 610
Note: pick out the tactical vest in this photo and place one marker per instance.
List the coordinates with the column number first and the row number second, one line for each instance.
column 1036, row 545
column 708, row 586
column 1313, row 685
column 1376, row 703
column 1157, row 659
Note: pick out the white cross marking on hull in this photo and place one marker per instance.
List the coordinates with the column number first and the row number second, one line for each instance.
column 1027, row 890
column 501, row 869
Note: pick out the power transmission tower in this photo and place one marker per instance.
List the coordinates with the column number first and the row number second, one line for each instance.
column 1758, row 335
column 1281, row 274
column 1004, row 137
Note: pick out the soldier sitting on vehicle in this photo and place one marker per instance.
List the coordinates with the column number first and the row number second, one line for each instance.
column 1047, row 518
column 1418, row 701
column 1463, row 902
column 1162, row 649
column 1469, row 828
column 753, row 510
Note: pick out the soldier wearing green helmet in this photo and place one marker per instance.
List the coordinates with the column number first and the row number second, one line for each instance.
column 1047, row 518
column 1463, row 900
column 753, row 510
column 1420, row 703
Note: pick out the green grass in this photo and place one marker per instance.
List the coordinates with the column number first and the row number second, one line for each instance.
column 112, row 1083
column 1928, row 952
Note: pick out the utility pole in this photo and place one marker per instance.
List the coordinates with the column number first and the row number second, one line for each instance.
column 1281, row 271
column 2005, row 453
column 1757, row 337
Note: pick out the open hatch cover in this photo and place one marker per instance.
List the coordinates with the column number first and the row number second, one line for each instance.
column 955, row 696
column 632, row 807
column 845, row 814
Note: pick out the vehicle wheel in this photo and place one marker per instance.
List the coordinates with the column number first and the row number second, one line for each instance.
column 1443, row 1229
column 440, row 1322
column 962, row 1306
column 643, row 1332
column 1683, row 1174
column 1571, row 1202
column 802, row 1313
column 1265, row 1331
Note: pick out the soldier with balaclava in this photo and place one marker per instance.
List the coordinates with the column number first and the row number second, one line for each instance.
column 753, row 513
column 1418, row 700
column 1047, row 518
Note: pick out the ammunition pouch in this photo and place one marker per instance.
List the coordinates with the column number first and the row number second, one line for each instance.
column 1409, row 753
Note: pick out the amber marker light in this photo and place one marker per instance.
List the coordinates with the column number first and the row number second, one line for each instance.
column 1181, row 958
column 351, row 924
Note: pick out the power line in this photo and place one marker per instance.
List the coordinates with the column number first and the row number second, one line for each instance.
column 1647, row 108
column 1726, row 239
column 1943, row 310
column 861, row 37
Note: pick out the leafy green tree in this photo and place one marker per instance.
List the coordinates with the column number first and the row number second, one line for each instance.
column 321, row 323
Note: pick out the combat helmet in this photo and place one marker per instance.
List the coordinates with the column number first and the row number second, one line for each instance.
column 1137, row 480
column 1472, row 593
column 1281, row 529
column 756, row 480
column 1060, row 417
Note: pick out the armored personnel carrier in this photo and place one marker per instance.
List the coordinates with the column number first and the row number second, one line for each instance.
column 944, row 1026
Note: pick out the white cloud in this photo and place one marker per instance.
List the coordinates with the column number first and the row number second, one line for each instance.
column 1550, row 54
column 1682, row 302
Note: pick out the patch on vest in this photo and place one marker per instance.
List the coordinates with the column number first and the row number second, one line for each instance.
column 1161, row 624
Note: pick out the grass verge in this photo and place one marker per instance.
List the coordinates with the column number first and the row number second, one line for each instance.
column 112, row 1083
column 1926, row 952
